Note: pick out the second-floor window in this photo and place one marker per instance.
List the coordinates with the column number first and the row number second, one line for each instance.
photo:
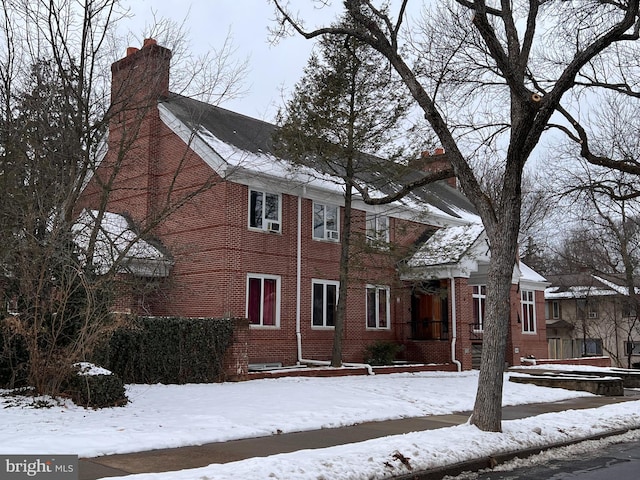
column 264, row 211
column 528, row 311
column 479, row 300
column 377, row 229
column 325, row 222
column 586, row 308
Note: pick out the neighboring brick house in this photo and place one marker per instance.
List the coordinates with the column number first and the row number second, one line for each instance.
column 591, row 315
column 262, row 240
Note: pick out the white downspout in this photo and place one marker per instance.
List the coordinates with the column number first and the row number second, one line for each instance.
column 299, row 279
column 298, row 310
column 454, row 323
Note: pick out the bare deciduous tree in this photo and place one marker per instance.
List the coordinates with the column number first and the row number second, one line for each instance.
column 489, row 76
column 61, row 278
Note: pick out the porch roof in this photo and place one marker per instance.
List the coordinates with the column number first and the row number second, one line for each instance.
column 455, row 251
column 462, row 251
column 118, row 243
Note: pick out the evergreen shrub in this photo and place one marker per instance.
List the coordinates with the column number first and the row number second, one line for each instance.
column 382, row 352
column 96, row 391
column 169, row 350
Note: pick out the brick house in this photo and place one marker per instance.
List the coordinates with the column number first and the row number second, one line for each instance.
column 262, row 240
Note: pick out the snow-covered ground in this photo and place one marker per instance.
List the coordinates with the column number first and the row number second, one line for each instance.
column 160, row 416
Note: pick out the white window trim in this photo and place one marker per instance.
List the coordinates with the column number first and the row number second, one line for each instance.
column 327, row 236
column 531, row 303
column 388, row 309
column 381, row 235
column 477, row 297
column 324, row 283
column 262, row 276
column 555, row 309
column 265, row 222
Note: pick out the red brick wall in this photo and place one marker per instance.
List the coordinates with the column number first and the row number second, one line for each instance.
column 525, row 344
column 214, row 250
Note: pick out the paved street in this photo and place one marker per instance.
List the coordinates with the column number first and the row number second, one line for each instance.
column 618, row 461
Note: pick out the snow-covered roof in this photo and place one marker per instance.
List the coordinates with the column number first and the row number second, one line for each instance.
column 583, row 285
column 528, row 274
column 241, row 148
column 446, row 246
column 461, row 251
column 117, row 241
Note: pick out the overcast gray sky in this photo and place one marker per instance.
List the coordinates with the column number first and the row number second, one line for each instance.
column 271, row 67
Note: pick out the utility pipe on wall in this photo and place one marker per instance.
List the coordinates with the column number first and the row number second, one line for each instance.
column 454, row 322
column 299, row 280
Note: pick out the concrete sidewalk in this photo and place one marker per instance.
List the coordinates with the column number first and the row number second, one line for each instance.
column 164, row 460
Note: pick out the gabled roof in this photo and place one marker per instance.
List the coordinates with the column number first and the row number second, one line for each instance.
column 231, row 142
column 447, row 246
column 461, row 251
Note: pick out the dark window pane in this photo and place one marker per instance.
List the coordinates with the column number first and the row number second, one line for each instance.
column 332, row 295
column 254, row 300
column 255, row 210
column 318, row 301
column 269, row 302
column 318, row 221
column 371, row 307
column 271, row 207
column 382, row 308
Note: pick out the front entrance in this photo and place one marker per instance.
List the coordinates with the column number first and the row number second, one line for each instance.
column 430, row 311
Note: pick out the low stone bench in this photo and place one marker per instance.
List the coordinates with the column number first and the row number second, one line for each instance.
column 606, row 386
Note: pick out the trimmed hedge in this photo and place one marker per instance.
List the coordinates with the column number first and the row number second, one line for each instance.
column 96, row 391
column 169, row 350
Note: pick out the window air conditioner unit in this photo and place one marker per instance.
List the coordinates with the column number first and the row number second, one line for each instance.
column 332, row 235
column 593, row 314
column 273, row 227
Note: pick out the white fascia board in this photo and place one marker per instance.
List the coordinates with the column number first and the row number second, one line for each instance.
column 193, row 141
column 532, row 285
column 434, row 272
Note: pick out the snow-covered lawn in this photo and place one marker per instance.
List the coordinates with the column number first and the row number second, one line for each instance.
column 160, row 416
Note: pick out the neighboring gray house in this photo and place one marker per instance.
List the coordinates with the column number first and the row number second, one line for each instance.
column 591, row 315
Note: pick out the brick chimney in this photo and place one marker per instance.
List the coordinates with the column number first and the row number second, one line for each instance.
column 436, row 160
column 141, row 78
column 138, row 82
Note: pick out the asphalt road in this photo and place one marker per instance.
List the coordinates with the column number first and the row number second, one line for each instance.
column 618, row 461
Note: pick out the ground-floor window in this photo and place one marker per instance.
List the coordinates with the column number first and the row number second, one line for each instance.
column 324, row 302
column 263, row 300
column 378, row 315
column 479, row 301
column 632, row 348
column 587, row 347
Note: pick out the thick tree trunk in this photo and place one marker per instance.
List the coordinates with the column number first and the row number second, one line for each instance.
column 487, row 411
